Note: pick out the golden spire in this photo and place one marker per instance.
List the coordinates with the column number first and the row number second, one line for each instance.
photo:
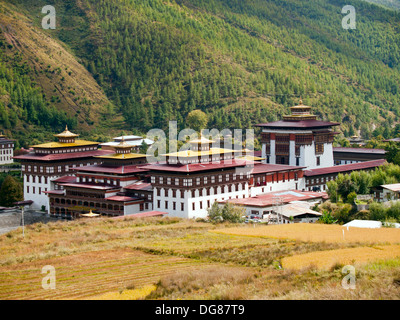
column 66, row 134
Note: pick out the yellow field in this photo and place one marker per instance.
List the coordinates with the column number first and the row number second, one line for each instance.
column 133, row 294
column 327, row 259
column 318, row 233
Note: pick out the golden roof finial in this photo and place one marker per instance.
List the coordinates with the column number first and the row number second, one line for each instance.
column 66, row 134
column 301, row 101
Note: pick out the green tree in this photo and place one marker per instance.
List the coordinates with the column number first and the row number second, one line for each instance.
column 11, row 191
column 197, row 120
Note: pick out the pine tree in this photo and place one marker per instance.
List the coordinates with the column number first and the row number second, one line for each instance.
column 10, row 192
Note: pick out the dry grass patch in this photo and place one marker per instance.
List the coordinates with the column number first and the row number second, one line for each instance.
column 317, row 233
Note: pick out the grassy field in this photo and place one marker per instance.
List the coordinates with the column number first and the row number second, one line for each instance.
column 169, row 258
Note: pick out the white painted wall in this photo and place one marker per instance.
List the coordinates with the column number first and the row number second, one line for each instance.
column 6, row 154
column 39, row 199
column 278, row 186
column 216, row 194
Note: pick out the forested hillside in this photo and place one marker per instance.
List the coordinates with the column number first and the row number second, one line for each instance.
column 242, row 62
column 391, row 4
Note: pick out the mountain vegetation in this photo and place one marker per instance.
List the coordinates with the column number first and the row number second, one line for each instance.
column 240, row 62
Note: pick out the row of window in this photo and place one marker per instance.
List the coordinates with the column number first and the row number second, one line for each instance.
column 5, row 158
column 7, row 151
column 38, row 179
column 34, row 189
column 174, row 192
column 204, row 159
column 54, row 169
column 318, row 180
column 96, row 180
column 200, row 205
column 197, row 181
column 5, row 146
column 56, row 151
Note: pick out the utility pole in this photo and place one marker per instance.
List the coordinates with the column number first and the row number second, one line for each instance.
column 22, row 205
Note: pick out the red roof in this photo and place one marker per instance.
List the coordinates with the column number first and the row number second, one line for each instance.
column 63, row 156
column 60, row 192
column 90, row 186
column 112, row 169
column 139, row 186
column 265, row 168
column 345, row 168
column 197, row 167
column 123, row 199
column 143, row 215
column 65, row 179
column 272, row 198
column 359, row 150
column 303, row 124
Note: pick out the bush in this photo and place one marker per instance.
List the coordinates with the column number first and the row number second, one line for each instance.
column 327, row 218
column 228, row 212
column 351, row 197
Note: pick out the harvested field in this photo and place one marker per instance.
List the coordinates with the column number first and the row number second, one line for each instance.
column 88, row 274
column 327, row 259
column 318, row 233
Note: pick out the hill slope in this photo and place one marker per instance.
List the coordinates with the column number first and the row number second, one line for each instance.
column 391, row 4
column 44, row 87
column 242, row 62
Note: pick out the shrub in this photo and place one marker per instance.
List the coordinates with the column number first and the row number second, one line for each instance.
column 327, row 218
column 228, row 212
column 351, row 197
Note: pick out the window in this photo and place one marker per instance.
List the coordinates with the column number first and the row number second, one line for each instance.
column 166, row 204
column 158, row 204
column 153, row 179
column 176, row 181
column 182, row 206
column 174, row 205
column 168, row 180
column 197, row 181
column 193, row 206
column 318, row 161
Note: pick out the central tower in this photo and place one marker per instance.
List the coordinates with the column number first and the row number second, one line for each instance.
column 298, row 140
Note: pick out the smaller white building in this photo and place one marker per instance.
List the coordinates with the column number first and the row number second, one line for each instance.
column 285, row 206
column 6, row 150
column 134, row 141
